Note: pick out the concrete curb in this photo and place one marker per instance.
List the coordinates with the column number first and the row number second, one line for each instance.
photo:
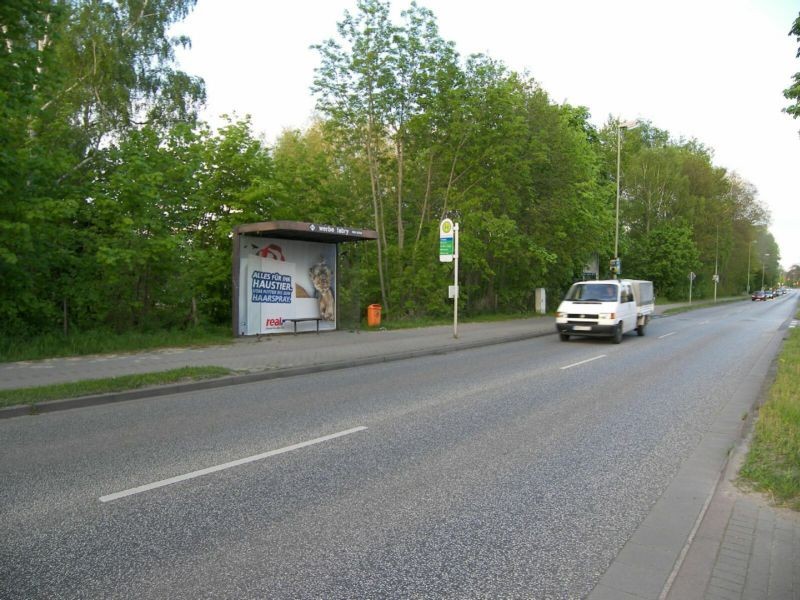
column 207, row 384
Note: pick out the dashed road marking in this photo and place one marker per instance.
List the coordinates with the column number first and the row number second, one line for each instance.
column 228, row 465
column 583, row 362
column 661, row 337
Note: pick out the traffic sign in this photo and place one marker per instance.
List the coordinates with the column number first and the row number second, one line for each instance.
column 446, row 241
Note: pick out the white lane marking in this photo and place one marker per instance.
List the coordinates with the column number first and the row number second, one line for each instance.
column 794, row 323
column 661, row 337
column 228, row 465
column 704, row 322
column 583, row 362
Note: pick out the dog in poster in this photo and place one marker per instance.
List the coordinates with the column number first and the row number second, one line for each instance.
column 320, row 275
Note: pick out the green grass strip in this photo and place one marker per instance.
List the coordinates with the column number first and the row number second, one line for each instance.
column 773, row 462
column 105, row 342
column 697, row 304
column 414, row 323
column 105, row 386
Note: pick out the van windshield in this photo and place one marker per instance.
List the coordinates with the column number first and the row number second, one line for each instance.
column 593, row 292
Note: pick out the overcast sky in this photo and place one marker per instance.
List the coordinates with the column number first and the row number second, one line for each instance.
column 713, row 70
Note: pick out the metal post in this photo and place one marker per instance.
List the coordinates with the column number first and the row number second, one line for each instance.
column 616, row 228
column 716, row 266
column 749, row 247
column 455, row 300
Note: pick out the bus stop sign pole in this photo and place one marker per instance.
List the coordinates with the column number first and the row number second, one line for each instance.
column 455, row 284
column 448, row 252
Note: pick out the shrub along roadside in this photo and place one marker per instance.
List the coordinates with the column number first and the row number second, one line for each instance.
column 105, row 386
column 104, row 342
column 773, row 462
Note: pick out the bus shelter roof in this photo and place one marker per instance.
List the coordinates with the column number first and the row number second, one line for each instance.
column 311, row 232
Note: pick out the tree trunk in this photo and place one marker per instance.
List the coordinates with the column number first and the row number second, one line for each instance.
column 373, row 179
column 195, row 319
column 425, row 202
column 400, row 229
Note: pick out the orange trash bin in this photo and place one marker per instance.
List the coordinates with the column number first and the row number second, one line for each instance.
column 374, row 315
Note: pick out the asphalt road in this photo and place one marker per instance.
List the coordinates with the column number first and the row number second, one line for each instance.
column 516, row 470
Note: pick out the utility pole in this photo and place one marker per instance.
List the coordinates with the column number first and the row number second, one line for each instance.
column 620, row 126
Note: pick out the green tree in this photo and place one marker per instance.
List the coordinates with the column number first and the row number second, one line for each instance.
column 354, row 85
column 76, row 75
column 792, row 93
column 666, row 254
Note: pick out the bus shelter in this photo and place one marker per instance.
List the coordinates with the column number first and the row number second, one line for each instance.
column 285, row 275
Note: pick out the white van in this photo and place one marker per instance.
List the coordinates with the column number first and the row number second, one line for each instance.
column 608, row 308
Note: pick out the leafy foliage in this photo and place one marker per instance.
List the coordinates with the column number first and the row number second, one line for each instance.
column 793, row 91
column 118, row 204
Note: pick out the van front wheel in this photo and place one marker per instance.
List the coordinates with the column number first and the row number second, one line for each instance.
column 617, row 339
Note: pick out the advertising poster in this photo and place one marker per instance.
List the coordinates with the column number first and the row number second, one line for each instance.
column 281, row 280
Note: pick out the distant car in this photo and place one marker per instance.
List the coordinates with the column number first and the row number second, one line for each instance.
column 769, row 294
column 759, row 295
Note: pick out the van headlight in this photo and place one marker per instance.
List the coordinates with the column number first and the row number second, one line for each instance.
column 561, row 315
column 609, row 316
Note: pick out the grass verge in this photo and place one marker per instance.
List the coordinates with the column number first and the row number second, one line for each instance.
column 697, row 304
column 105, row 386
column 104, row 342
column 773, row 462
column 434, row 321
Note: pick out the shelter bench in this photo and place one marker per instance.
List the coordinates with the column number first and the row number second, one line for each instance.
column 295, row 321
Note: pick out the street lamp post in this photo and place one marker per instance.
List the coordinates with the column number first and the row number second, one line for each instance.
column 716, row 266
column 749, row 248
column 763, row 268
column 620, row 127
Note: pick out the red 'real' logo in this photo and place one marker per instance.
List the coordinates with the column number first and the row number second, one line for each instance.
column 276, row 322
column 272, row 251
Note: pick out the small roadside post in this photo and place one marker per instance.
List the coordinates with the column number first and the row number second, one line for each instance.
column 692, row 275
column 448, row 252
column 615, row 266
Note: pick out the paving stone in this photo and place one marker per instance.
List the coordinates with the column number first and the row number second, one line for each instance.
column 736, row 560
column 736, row 577
column 718, row 593
column 604, row 592
column 736, row 545
column 639, row 581
column 725, row 584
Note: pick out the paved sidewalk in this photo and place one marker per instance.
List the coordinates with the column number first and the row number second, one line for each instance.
column 275, row 353
column 744, row 548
